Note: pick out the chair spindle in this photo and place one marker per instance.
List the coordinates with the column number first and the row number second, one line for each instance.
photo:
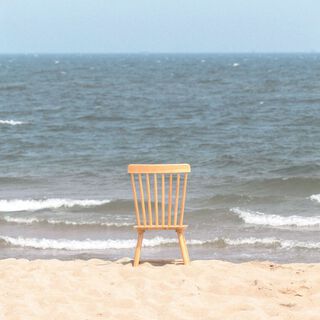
column 163, row 198
column 183, row 198
column 142, row 201
column 149, row 198
column 170, row 200
column 156, row 198
column 136, row 206
column 176, row 206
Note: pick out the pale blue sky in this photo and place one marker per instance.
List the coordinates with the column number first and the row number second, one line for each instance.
column 29, row 26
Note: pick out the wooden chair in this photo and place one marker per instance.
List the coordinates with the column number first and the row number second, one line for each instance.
column 163, row 211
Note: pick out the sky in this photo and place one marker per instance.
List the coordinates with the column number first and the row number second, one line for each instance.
column 182, row 26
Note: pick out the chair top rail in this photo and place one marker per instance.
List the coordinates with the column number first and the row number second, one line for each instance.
column 159, row 168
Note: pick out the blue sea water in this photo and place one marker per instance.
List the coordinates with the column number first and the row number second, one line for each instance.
column 249, row 125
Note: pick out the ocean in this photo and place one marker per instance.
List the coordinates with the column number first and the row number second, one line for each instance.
column 249, row 125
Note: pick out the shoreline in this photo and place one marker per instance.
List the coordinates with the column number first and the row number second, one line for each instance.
column 205, row 289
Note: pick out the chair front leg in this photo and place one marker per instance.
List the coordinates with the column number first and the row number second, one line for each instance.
column 183, row 247
column 138, row 248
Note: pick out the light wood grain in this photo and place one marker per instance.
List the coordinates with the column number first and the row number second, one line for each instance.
column 152, row 222
column 184, row 192
column 159, row 168
column 149, row 198
column 163, row 199
column 135, row 199
column 138, row 248
column 176, row 206
column 183, row 247
column 170, row 199
column 142, row 201
column 161, row 227
column 156, row 209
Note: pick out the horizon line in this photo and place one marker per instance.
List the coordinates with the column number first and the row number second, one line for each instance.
column 159, row 52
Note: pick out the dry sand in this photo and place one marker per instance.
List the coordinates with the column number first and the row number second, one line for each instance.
column 97, row 289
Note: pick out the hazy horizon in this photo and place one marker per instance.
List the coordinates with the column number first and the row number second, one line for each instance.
column 164, row 53
column 159, row 27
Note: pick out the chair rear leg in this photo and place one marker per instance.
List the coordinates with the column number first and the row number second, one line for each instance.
column 138, row 249
column 183, row 247
column 186, row 249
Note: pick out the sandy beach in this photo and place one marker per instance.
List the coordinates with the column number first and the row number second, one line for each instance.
column 98, row 289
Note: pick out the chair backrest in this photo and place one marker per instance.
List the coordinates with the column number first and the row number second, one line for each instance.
column 158, row 207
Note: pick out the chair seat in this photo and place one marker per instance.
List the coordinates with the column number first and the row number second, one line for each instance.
column 161, row 227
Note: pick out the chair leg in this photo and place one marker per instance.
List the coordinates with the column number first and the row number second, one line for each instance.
column 138, row 249
column 186, row 249
column 183, row 247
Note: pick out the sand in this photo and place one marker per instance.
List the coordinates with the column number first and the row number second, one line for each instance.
column 98, row 289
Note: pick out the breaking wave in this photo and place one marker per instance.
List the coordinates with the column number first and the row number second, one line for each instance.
column 283, row 244
column 11, row 122
column 315, row 197
column 88, row 244
column 34, row 205
column 260, row 218
column 34, row 220
column 66, row 244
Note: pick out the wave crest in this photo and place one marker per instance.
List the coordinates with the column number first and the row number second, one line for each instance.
column 34, row 205
column 260, row 218
column 11, row 122
column 315, row 197
column 282, row 244
column 88, row 244
column 32, row 220
column 66, row 244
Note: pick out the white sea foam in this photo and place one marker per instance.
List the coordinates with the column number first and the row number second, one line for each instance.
column 66, row 244
column 11, row 122
column 31, row 220
column 235, row 64
column 289, row 244
column 33, row 205
column 282, row 243
column 250, row 241
column 315, row 197
column 20, row 220
column 107, row 224
column 88, row 244
column 274, row 220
